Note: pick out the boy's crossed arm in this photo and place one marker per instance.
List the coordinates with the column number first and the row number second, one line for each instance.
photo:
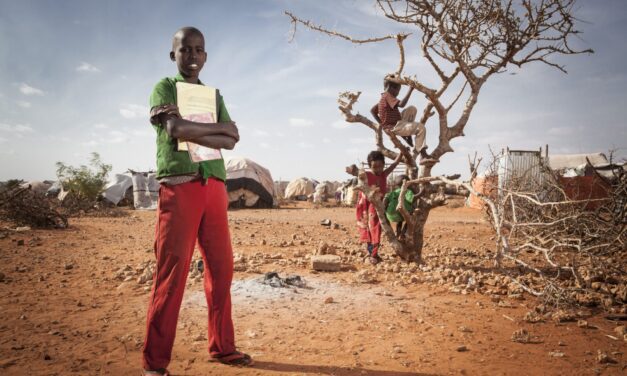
column 221, row 135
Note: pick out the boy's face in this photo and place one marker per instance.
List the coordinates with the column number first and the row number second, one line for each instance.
column 188, row 52
column 394, row 89
column 377, row 167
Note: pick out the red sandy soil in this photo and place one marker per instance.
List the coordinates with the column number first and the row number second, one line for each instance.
column 66, row 310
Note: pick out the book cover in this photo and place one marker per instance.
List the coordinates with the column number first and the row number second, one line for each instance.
column 197, row 103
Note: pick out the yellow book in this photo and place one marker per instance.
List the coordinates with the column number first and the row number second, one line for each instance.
column 197, row 103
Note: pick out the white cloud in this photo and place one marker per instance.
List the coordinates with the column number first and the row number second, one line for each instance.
column 100, row 126
column 340, row 124
column 23, row 104
column 279, row 134
column 29, row 90
column 299, row 122
column 143, row 133
column 264, row 145
column 134, row 111
column 86, row 67
column 19, row 128
column 361, row 140
column 559, row 131
column 304, row 145
column 2, row 140
column 91, row 143
column 326, row 140
column 260, row 133
column 117, row 137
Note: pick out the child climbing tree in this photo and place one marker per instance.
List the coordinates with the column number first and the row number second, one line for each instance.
column 465, row 43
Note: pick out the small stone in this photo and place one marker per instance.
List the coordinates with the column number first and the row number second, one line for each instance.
column 2, row 277
column 582, row 324
column 461, row 348
column 69, row 266
column 200, row 338
column 620, row 330
column 47, row 357
column 464, row 329
column 556, row 354
column 521, row 336
column 328, row 300
column 22, row 229
column 603, row 358
column 20, row 242
column 262, row 242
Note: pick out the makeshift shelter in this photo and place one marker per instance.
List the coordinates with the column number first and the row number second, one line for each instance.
column 323, row 191
column 279, row 187
column 145, row 190
column 39, row 187
column 118, row 188
column 299, row 189
column 249, row 184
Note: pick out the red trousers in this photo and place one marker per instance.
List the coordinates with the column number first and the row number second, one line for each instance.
column 189, row 212
column 368, row 224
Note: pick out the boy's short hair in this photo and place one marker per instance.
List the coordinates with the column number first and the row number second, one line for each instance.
column 178, row 35
column 375, row 155
column 400, row 179
column 388, row 81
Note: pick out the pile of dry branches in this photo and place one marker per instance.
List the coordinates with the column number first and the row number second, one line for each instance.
column 25, row 207
column 564, row 250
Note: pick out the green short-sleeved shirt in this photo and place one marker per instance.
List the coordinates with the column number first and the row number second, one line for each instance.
column 170, row 161
column 390, row 211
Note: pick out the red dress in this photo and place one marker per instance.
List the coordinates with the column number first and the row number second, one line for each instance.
column 368, row 223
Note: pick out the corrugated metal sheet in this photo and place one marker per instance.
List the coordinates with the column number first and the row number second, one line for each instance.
column 521, row 167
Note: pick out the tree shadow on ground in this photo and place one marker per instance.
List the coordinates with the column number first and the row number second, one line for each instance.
column 330, row 370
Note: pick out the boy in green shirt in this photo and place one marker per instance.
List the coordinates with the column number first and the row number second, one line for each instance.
column 390, row 202
column 192, row 209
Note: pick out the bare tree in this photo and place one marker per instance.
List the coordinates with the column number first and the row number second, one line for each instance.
column 465, row 43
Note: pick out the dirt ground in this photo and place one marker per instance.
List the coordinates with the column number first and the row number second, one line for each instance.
column 74, row 301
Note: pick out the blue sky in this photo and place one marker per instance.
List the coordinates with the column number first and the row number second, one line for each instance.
column 76, row 75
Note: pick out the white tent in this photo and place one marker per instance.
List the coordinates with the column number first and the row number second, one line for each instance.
column 299, row 189
column 117, row 187
column 249, row 184
column 145, row 190
column 573, row 161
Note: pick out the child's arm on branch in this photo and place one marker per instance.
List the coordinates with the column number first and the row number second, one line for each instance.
column 404, row 101
column 221, row 135
column 375, row 112
column 395, row 163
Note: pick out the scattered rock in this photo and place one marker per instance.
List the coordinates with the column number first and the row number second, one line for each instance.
column 582, row 324
column 533, row 317
column 22, row 229
column 200, row 338
column 365, row 276
column 2, row 277
column 69, row 266
column 561, row 316
column 521, row 336
column 328, row 300
column 326, row 222
column 20, row 242
column 325, row 249
column 603, row 358
column 326, row 263
column 461, row 348
column 464, row 329
column 556, row 354
column 620, row 330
